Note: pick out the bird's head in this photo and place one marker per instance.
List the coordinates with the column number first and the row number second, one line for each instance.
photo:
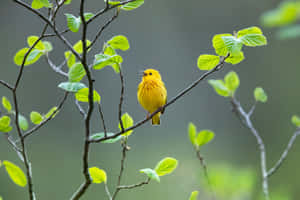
column 151, row 74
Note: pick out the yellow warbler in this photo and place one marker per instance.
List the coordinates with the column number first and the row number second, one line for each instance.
column 152, row 93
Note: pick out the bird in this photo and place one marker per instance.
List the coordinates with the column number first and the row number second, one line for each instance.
column 152, row 93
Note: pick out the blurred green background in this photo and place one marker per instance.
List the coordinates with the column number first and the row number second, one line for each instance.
column 168, row 36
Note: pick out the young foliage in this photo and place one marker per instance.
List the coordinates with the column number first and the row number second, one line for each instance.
column 200, row 139
column 15, row 173
column 102, row 60
column 151, row 174
column 227, row 87
column 98, row 136
column 286, row 13
column 207, row 62
column 23, row 123
column 260, row 95
column 73, row 22
column 35, row 117
column 71, row 86
column 51, row 112
column 38, row 4
column 6, row 104
column 78, row 47
column 70, row 58
column 5, row 124
column 97, row 175
column 129, row 6
column 166, row 166
column 82, row 95
column 127, row 122
column 295, row 120
column 194, row 195
column 76, row 72
column 119, row 42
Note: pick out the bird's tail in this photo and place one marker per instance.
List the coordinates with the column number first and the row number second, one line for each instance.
column 156, row 119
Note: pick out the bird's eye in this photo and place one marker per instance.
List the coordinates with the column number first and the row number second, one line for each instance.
column 150, row 73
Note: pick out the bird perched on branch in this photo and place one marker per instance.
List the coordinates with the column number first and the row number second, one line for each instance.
column 152, row 93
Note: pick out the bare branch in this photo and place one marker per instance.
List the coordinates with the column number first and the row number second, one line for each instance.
column 103, row 28
column 248, row 123
column 121, row 99
column 122, row 187
column 284, row 154
column 101, row 12
column 173, row 100
column 6, row 84
column 102, row 119
column 57, row 69
column 82, row 112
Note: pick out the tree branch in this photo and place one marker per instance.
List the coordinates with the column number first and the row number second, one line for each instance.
column 122, row 187
column 121, row 99
column 173, row 100
column 6, row 84
column 102, row 119
column 245, row 118
column 284, row 154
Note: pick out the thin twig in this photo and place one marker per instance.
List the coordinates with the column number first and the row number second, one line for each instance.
column 6, row 84
column 173, row 100
column 102, row 119
column 104, row 10
column 31, row 131
column 122, row 187
column 124, row 150
column 284, row 154
column 202, row 163
column 57, row 69
column 82, row 112
column 248, row 123
column 107, row 191
column 103, row 28
column 121, row 99
column 60, row 33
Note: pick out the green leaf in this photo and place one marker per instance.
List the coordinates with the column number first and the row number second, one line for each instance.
column 220, row 87
column 119, row 42
column 15, row 173
column 219, row 44
column 289, row 32
column 5, row 124
column 67, row 2
column 37, row 4
column 35, row 117
column 253, row 40
column 71, row 86
column 108, row 50
column 76, row 72
column 73, row 22
column 82, row 95
column 208, row 62
column 194, row 195
column 112, row 3
column 70, row 57
column 250, row 30
column 6, row 104
column 48, row 46
column 132, row 5
column 232, row 44
column 78, row 46
column 166, row 166
column 232, row 81
column 192, row 130
column 88, row 16
column 260, row 95
column 235, row 59
column 32, row 39
column 33, row 56
column 51, row 111
column 102, row 60
column 285, row 14
column 204, row 137
column 98, row 136
column 23, row 123
column 127, row 122
column 295, row 120
column 0, row 196
column 151, row 174
column 97, row 175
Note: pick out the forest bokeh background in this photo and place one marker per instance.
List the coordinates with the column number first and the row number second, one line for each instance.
column 168, row 36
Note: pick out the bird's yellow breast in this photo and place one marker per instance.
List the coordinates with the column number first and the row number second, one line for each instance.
column 152, row 94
